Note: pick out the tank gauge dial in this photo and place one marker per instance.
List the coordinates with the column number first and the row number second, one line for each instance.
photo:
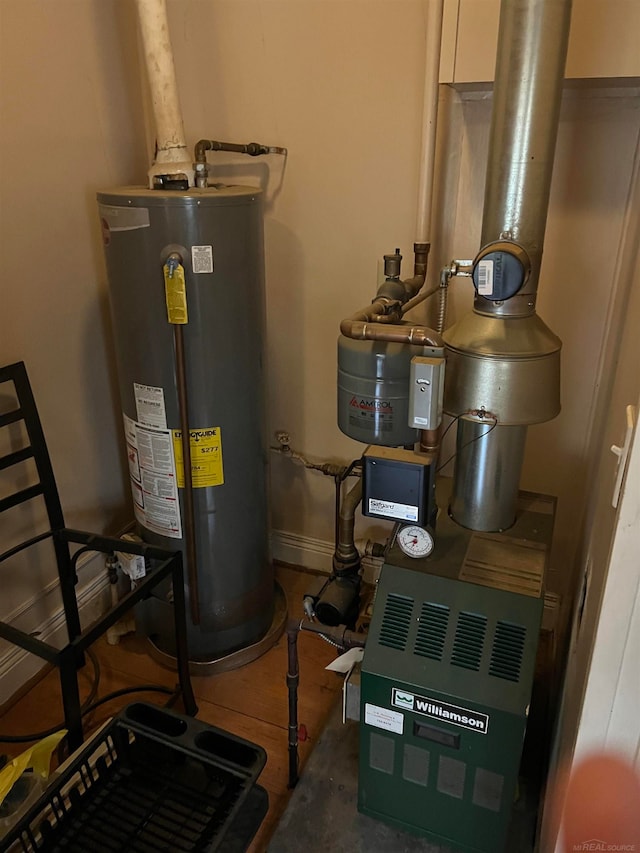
column 415, row 541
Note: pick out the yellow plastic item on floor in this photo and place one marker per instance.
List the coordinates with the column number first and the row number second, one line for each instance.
column 36, row 758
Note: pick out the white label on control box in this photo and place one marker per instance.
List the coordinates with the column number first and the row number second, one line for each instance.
column 404, row 512
column 383, row 718
column 485, row 278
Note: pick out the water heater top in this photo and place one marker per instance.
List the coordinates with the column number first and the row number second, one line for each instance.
column 213, row 196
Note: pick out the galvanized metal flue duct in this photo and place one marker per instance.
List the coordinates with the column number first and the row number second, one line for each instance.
column 527, row 94
column 503, row 363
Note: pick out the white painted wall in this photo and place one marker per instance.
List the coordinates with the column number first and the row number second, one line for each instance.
column 69, row 123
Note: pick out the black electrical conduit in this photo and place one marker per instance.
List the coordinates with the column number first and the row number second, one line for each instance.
column 341, row 637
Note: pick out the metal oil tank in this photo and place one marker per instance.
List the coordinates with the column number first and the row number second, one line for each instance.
column 218, row 234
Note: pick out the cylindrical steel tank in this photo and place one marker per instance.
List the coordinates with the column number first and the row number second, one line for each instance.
column 373, row 391
column 217, row 232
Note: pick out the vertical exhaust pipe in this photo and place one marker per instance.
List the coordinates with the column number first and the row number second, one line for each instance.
column 503, row 363
column 172, row 160
column 527, row 94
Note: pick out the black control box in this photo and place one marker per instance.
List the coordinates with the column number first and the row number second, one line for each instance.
column 399, row 485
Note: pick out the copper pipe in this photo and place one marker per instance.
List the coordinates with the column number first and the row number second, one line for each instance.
column 416, row 335
column 430, row 440
column 424, row 294
column 253, row 149
column 379, row 321
column 413, row 285
column 346, row 551
column 189, row 521
column 339, row 635
column 420, row 258
column 380, row 307
column 385, row 308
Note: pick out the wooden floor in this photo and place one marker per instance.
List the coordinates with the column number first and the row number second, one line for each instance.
column 251, row 702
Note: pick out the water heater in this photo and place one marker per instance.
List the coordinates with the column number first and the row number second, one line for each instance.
column 215, row 237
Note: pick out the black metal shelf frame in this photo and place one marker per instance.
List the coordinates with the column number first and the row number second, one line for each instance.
column 70, row 658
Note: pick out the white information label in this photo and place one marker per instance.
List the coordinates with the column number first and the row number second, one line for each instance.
column 404, row 512
column 485, row 278
column 152, row 471
column 202, row 258
column 132, row 565
column 150, row 405
column 383, row 718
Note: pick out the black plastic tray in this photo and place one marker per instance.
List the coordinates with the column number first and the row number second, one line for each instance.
column 151, row 781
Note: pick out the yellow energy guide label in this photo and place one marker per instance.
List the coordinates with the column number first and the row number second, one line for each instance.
column 206, row 457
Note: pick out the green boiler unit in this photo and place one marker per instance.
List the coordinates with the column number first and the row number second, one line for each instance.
column 447, row 677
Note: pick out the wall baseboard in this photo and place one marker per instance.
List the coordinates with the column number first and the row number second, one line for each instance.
column 297, row 550
column 315, row 554
column 17, row 666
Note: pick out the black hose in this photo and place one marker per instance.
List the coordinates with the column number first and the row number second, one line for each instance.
column 124, row 691
column 84, row 709
column 88, row 706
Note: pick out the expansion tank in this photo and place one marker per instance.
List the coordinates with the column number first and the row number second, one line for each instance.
column 218, row 234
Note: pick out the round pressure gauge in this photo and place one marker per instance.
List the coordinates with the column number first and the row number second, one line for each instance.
column 415, row 541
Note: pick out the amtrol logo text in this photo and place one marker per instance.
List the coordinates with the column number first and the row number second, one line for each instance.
column 372, row 405
column 466, row 718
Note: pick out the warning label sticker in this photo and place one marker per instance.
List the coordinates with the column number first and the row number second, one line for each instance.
column 152, row 472
column 150, row 408
column 206, row 457
column 202, row 259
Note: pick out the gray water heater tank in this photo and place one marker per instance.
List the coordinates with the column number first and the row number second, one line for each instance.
column 218, row 233
column 373, row 391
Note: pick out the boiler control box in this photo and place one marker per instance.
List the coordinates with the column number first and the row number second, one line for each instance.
column 399, row 485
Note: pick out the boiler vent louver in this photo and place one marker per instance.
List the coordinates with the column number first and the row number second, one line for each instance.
column 508, row 648
column 432, row 630
column 469, row 640
column 396, row 621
